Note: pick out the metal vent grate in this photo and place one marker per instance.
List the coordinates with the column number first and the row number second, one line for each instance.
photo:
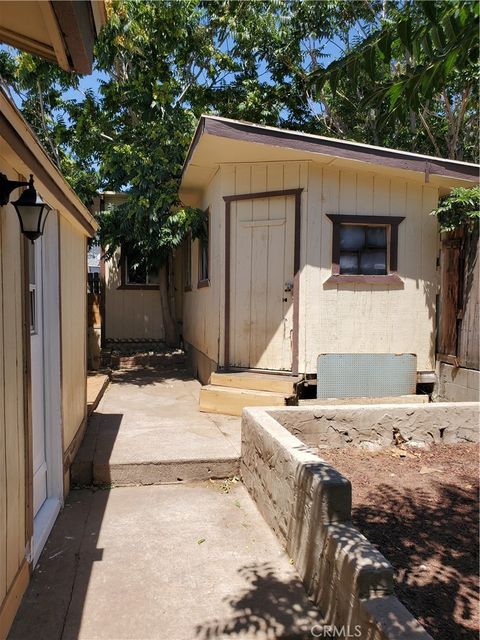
column 367, row 375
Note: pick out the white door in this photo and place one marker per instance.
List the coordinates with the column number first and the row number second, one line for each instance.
column 45, row 383
column 37, row 375
column 261, row 284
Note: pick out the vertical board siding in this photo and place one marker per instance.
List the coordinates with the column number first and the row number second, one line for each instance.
column 334, row 318
column 202, row 306
column 364, row 318
column 73, row 288
column 12, row 427
column 130, row 315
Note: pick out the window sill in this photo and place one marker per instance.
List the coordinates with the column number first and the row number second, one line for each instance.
column 391, row 278
column 203, row 283
column 138, row 287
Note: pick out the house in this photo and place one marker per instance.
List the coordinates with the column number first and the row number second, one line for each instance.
column 42, row 307
column 315, row 245
column 132, row 312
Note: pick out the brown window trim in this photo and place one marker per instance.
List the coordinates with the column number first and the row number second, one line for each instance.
column 389, row 278
column 125, row 286
column 138, row 287
column 205, row 282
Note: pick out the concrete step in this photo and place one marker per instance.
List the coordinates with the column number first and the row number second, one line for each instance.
column 231, row 401
column 256, row 381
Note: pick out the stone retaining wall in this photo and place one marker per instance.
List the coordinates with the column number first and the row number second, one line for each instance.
column 308, row 505
column 375, row 426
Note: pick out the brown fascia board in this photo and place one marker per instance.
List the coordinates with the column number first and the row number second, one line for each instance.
column 76, row 22
column 249, row 132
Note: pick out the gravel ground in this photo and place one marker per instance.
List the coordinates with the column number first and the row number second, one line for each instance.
column 420, row 509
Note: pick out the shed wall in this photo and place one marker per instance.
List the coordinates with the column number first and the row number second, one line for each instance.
column 202, row 306
column 362, row 318
column 336, row 318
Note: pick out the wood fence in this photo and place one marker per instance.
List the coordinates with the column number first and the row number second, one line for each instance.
column 458, row 321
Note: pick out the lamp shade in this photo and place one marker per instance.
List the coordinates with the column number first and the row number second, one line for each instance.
column 32, row 212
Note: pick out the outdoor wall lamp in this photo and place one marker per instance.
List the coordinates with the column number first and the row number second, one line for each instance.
column 31, row 210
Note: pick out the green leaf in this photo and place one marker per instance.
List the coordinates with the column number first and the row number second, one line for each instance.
column 369, row 61
column 395, row 92
column 385, row 46
column 404, row 29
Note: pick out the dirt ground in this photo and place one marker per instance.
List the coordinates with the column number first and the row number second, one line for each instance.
column 420, row 509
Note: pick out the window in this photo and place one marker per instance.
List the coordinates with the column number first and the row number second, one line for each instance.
column 187, row 263
column 365, row 249
column 135, row 273
column 204, row 253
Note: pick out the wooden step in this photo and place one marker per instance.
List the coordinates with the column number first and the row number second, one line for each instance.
column 231, row 401
column 256, row 381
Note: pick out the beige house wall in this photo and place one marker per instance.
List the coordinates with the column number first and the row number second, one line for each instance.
column 202, row 306
column 13, row 533
column 134, row 314
column 334, row 318
column 130, row 314
column 69, row 274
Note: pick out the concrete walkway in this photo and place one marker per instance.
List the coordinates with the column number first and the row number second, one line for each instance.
column 181, row 561
column 173, row 562
column 147, row 429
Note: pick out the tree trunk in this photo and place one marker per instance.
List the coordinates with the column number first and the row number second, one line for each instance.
column 168, row 320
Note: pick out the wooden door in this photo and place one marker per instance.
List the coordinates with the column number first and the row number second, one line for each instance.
column 261, row 283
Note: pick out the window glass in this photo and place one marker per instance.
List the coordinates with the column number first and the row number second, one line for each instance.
column 352, row 237
column 363, row 250
column 373, row 262
column 203, row 256
column 136, row 271
column 349, row 263
column 377, row 237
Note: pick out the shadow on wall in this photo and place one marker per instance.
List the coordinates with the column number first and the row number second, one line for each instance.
column 264, row 608
column 434, row 544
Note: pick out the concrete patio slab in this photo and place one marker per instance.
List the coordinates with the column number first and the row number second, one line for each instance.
column 173, row 562
column 148, row 430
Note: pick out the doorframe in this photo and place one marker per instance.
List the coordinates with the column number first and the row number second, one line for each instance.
column 297, row 193
column 52, row 390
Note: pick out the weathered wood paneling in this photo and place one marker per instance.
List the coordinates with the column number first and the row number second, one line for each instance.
column 134, row 314
column 73, row 293
column 468, row 348
column 458, row 330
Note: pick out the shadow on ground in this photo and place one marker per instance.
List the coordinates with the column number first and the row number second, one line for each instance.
column 432, row 541
column 266, row 608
